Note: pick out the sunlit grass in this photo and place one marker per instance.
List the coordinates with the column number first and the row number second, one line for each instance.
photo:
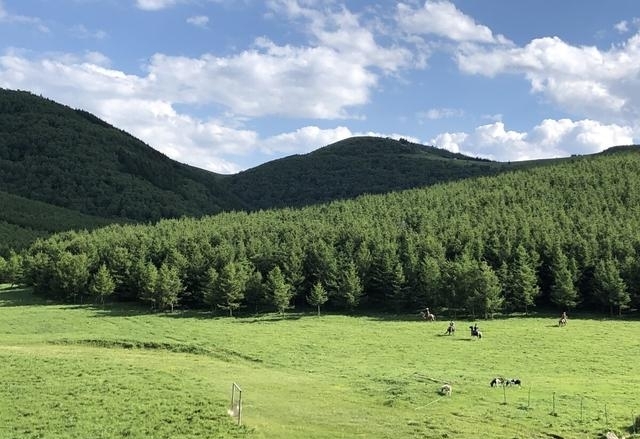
column 117, row 371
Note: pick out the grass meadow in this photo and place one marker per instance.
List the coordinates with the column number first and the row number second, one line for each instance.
column 121, row 372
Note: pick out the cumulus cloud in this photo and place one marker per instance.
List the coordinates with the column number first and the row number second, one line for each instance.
column 199, row 21
column 587, row 81
column 341, row 31
column 551, row 138
column 289, row 81
column 444, row 19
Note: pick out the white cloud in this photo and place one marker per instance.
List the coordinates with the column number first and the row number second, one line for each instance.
column 155, row 5
column 272, row 80
column 8, row 17
column 304, row 140
column 341, row 31
column 443, row 19
column 622, row 26
column 440, row 113
column 587, row 81
column 81, row 31
column 551, row 138
column 199, row 21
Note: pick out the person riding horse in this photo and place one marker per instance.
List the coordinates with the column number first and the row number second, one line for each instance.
column 452, row 328
column 563, row 319
column 426, row 314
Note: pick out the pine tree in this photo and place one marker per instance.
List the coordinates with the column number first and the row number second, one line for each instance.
column 609, row 286
column 147, row 282
column 317, row 296
column 523, row 281
column 350, row 286
column 280, row 291
column 563, row 291
column 102, row 284
column 209, row 288
column 168, row 287
column 230, row 287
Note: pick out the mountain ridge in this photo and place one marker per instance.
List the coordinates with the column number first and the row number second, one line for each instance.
column 71, row 159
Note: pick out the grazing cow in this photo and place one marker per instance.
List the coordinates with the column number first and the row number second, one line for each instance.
column 445, row 390
column 514, row 382
column 497, row 381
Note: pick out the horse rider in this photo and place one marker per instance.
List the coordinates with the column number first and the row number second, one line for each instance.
column 563, row 316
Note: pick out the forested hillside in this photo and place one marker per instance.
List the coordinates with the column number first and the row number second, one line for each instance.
column 72, row 159
column 566, row 235
column 353, row 167
column 22, row 221
column 69, row 158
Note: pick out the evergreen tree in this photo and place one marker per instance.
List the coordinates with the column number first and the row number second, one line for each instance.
column 102, row 284
column 563, row 291
column 350, row 289
column 318, row 296
column 522, row 280
column 13, row 269
column 488, row 290
column 609, row 286
column 230, row 286
column 255, row 290
column 428, row 289
column 3, row 265
column 210, row 288
column 71, row 275
column 148, row 283
column 168, row 286
column 280, row 291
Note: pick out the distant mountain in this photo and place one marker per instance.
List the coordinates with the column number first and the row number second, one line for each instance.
column 353, row 167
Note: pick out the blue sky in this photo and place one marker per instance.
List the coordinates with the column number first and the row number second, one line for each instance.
column 226, row 85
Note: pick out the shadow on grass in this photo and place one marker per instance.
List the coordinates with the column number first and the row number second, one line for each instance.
column 21, row 296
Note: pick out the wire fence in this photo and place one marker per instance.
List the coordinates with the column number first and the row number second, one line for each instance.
column 578, row 408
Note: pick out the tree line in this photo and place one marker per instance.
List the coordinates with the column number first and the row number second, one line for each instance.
column 566, row 236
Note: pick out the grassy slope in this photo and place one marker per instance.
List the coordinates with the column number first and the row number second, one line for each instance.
column 306, row 377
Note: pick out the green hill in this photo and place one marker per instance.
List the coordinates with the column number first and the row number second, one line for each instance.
column 71, row 159
column 353, row 167
column 22, row 221
column 565, row 235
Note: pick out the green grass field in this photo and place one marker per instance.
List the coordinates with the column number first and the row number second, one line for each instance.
column 120, row 372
